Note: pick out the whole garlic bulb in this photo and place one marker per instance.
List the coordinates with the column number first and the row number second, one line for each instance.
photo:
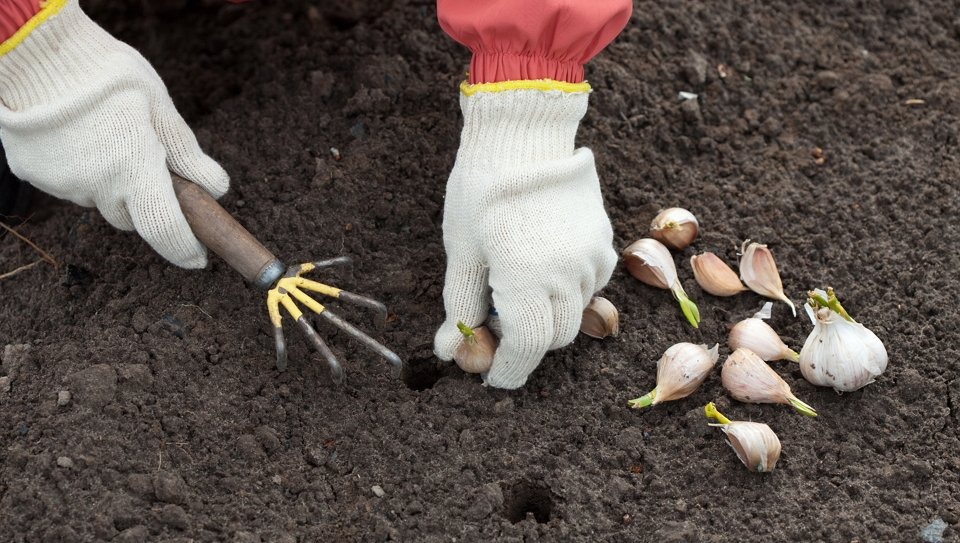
column 680, row 371
column 674, row 227
column 475, row 353
column 749, row 379
column 757, row 336
column 650, row 262
column 755, row 443
column 839, row 352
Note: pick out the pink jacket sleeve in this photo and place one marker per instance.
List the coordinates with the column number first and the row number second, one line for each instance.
column 14, row 14
column 532, row 39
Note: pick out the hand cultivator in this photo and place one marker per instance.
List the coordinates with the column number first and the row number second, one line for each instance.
column 285, row 286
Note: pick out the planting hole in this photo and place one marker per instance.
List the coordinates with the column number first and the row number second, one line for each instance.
column 525, row 499
column 421, row 373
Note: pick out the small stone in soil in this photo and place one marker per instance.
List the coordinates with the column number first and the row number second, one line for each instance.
column 933, row 533
column 14, row 355
column 314, row 456
column 64, row 462
column 63, row 398
column 5, row 383
column 378, row 491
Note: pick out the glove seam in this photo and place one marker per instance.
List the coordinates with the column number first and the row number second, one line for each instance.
column 468, row 89
column 48, row 9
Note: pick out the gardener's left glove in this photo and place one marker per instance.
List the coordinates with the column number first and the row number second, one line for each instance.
column 524, row 216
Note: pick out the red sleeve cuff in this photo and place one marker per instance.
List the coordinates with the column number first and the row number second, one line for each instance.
column 14, row 14
column 532, row 39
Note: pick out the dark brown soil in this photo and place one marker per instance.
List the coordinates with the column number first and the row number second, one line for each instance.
column 180, row 429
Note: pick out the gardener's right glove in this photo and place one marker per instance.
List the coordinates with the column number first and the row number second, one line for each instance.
column 524, row 216
column 86, row 118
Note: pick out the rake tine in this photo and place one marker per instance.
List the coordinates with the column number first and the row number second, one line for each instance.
column 338, row 261
column 373, row 344
column 281, row 348
column 369, row 303
column 336, row 370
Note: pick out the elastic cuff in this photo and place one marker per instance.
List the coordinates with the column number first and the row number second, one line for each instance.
column 468, row 89
column 488, row 67
column 48, row 8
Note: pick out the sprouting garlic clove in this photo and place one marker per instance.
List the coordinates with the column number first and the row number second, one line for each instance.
column 600, row 319
column 675, row 227
column 714, row 276
column 651, row 262
column 758, row 270
column 755, row 335
column 756, row 444
column 680, row 371
column 839, row 352
column 749, row 379
column 475, row 353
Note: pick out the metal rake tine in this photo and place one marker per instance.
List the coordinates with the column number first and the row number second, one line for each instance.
column 281, row 348
column 377, row 307
column 373, row 344
column 338, row 261
column 336, row 370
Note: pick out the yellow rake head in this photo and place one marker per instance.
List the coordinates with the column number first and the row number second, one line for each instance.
column 289, row 291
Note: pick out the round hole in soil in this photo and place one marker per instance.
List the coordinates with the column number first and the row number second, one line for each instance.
column 524, row 499
column 421, row 373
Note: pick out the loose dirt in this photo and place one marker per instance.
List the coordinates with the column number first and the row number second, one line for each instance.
column 177, row 427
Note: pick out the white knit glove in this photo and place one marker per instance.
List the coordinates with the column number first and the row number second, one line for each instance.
column 85, row 117
column 524, row 215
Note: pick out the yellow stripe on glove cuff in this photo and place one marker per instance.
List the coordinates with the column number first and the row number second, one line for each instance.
column 524, row 84
column 48, row 8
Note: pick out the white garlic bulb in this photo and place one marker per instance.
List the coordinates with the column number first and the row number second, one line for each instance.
column 674, row 227
column 758, row 270
column 755, row 335
column 650, row 262
column 749, row 379
column 680, row 371
column 755, row 443
column 839, row 352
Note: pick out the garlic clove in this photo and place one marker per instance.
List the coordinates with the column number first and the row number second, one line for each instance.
column 755, row 443
column 758, row 270
column 749, row 379
column 675, row 227
column 651, row 262
column 757, row 336
column 475, row 353
column 839, row 352
column 600, row 319
column 680, row 371
column 714, row 276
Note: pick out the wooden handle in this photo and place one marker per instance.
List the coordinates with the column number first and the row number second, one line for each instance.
column 222, row 234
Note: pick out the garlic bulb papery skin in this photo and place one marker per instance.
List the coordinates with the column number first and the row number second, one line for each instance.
column 749, row 379
column 680, row 371
column 600, row 319
column 758, row 270
column 675, row 227
column 475, row 353
column 651, row 262
column 755, row 335
column 714, row 276
column 755, row 443
column 840, row 352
